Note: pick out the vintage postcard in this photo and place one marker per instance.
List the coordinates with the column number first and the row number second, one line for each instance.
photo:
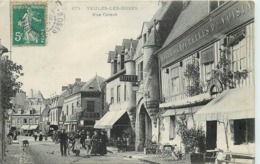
column 124, row 81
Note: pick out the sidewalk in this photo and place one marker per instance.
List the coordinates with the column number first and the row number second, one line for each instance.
column 153, row 159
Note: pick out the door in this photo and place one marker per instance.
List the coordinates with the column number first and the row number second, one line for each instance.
column 211, row 135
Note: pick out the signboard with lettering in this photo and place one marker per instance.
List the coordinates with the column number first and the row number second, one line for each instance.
column 129, row 78
column 220, row 22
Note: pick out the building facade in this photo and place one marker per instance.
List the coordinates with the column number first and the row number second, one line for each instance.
column 216, row 45
column 120, row 97
column 83, row 104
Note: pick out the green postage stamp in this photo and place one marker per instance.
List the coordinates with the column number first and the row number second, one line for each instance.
column 29, row 24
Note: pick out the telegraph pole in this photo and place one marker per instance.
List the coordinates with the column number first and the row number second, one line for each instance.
column 2, row 119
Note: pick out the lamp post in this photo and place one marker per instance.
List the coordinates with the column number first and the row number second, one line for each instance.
column 2, row 120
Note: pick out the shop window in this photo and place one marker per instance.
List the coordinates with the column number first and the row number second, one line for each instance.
column 213, row 4
column 90, row 106
column 244, row 131
column 112, row 96
column 172, row 128
column 118, row 93
column 140, row 71
column 175, row 82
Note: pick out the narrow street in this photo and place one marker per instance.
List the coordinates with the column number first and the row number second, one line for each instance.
column 47, row 152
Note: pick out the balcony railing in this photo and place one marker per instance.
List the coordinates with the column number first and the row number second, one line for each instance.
column 90, row 115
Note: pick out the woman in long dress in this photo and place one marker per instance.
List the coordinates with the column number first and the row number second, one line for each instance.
column 95, row 143
column 103, row 143
column 88, row 145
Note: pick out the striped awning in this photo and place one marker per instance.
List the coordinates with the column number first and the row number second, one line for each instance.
column 236, row 103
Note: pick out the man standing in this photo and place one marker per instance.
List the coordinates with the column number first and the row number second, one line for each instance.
column 63, row 142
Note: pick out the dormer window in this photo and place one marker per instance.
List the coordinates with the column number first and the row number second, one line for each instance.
column 91, row 87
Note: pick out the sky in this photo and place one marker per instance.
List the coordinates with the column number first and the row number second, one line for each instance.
column 79, row 49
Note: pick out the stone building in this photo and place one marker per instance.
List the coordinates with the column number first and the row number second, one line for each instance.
column 82, row 104
column 29, row 109
column 153, row 35
column 217, row 39
column 120, row 96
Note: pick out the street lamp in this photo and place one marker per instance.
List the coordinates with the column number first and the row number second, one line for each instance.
column 2, row 127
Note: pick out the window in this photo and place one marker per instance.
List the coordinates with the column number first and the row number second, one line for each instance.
column 238, row 56
column 115, row 66
column 36, row 120
column 125, row 92
column 112, row 95
column 67, row 112
column 19, row 121
column 172, row 128
column 140, row 71
column 13, row 121
column 144, row 38
column 30, row 121
column 175, row 86
column 118, row 93
column 90, row 106
column 122, row 62
column 207, row 57
column 24, row 120
column 72, row 108
column 244, row 131
column 213, row 4
column 56, row 119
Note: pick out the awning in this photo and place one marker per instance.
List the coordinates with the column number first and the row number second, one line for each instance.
column 236, row 103
column 179, row 111
column 109, row 119
column 32, row 127
column 25, row 127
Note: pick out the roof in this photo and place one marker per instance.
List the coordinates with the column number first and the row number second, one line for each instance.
column 138, row 50
column 61, row 98
column 93, row 84
column 111, row 56
column 187, row 19
column 3, row 48
column 130, row 54
column 154, row 39
column 46, row 111
column 118, row 49
column 126, row 44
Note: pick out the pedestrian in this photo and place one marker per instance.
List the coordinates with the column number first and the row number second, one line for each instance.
column 88, row 144
column 46, row 136
column 35, row 134
column 54, row 135
column 63, row 142
column 82, row 139
column 10, row 136
column 95, row 143
column 40, row 136
column 77, row 146
column 103, row 143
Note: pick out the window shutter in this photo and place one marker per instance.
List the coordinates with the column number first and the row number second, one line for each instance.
column 207, row 56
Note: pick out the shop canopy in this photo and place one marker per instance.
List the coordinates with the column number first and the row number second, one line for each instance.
column 109, row 119
column 179, row 111
column 25, row 127
column 231, row 104
column 33, row 127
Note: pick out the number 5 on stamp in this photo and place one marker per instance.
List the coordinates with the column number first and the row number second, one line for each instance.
column 29, row 24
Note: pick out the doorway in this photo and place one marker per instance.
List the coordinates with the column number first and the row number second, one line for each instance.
column 211, row 135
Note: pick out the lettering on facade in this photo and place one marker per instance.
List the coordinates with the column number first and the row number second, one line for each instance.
column 240, row 12
column 129, row 78
column 152, row 104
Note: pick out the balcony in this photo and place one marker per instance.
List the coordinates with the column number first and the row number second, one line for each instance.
column 90, row 115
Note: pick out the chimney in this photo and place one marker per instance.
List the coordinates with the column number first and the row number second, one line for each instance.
column 78, row 79
column 63, row 88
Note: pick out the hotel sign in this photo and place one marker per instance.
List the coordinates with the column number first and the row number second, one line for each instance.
column 129, row 78
column 221, row 22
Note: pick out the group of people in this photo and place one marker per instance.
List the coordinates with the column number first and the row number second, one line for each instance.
column 39, row 134
column 95, row 144
column 12, row 135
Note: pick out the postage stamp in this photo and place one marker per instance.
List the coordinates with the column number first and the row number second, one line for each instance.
column 29, row 24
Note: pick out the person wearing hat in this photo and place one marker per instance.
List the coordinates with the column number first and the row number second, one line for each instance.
column 83, row 138
column 103, row 143
column 63, row 142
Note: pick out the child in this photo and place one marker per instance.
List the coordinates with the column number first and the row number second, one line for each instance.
column 77, row 147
